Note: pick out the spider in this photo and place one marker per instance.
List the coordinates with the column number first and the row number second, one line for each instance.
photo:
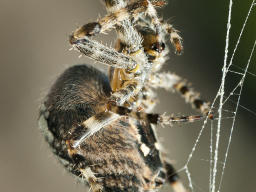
column 100, row 127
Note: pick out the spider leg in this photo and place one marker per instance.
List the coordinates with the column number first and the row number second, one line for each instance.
column 152, row 118
column 131, row 11
column 80, row 41
column 173, row 178
column 176, row 40
column 141, row 21
column 118, row 98
column 90, row 126
column 122, row 95
column 113, row 5
column 94, row 50
column 103, row 54
column 172, row 81
column 150, row 145
column 115, row 18
column 84, row 169
column 149, row 99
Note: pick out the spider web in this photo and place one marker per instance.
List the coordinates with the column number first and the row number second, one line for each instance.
column 227, row 107
column 230, row 92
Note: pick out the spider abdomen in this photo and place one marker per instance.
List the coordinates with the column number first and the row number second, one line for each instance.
column 115, row 154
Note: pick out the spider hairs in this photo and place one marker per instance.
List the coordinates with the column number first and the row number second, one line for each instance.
column 93, row 123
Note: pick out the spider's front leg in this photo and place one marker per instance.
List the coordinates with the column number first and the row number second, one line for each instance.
column 101, row 53
column 92, row 49
column 80, row 40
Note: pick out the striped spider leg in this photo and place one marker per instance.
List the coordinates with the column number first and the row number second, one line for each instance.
column 171, row 81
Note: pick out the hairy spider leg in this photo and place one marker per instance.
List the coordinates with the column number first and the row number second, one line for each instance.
column 171, row 81
column 175, row 38
column 85, row 170
column 130, row 11
column 98, row 121
column 173, row 177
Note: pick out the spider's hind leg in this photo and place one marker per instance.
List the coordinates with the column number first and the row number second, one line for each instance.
column 171, row 81
column 156, row 159
column 173, row 178
column 84, row 169
column 151, row 118
column 118, row 98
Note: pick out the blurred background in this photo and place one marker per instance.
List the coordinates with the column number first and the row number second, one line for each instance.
column 34, row 50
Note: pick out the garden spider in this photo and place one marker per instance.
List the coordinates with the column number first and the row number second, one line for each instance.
column 94, row 124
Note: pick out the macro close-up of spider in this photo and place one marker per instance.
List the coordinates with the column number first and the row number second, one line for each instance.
column 127, row 95
column 102, row 130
